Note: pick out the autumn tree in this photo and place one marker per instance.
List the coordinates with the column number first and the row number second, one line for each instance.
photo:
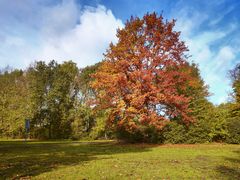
column 141, row 79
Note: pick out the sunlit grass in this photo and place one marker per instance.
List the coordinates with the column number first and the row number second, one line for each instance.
column 110, row 160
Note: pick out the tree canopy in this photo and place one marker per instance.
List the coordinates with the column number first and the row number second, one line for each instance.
column 141, row 78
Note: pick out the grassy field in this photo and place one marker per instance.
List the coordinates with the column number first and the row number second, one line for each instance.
column 110, row 160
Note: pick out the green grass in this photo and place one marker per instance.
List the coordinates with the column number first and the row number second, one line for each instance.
column 109, row 160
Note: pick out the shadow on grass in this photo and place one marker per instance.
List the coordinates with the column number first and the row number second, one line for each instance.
column 232, row 169
column 23, row 159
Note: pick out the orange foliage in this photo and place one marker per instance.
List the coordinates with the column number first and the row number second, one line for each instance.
column 141, row 79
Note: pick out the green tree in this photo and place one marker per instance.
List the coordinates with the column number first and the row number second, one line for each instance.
column 87, row 93
column 54, row 90
column 14, row 103
column 200, row 109
column 88, row 121
column 219, row 131
column 233, row 122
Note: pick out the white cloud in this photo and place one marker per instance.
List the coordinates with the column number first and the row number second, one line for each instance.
column 60, row 18
column 223, row 59
column 214, row 62
column 85, row 42
column 65, row 32
column 216, row 73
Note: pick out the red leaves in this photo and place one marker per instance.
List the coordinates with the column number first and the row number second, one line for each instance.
column 141, row 79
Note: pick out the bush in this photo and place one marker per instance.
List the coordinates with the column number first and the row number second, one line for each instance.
column 82, row 123
column 233, row 127
column 174, row 133
column 99, row 129
column 126, row 136
column 40, row 133
column 219, row 131
column 198, row 133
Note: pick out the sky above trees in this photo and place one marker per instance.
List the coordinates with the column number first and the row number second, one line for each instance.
column 81, row 31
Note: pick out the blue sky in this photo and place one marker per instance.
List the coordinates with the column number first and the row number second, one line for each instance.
column 81, row 30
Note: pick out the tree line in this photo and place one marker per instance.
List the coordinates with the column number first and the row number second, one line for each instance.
column 144, row 90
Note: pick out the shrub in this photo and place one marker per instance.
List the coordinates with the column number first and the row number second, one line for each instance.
column 99, row 129
column 174, row 133
column 233, row 127
column 198, row 133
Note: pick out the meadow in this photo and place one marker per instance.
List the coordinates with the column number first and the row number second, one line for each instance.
column 115, row 160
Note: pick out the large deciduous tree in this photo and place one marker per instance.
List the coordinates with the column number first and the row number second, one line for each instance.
column 142, row 79
column 53, row 93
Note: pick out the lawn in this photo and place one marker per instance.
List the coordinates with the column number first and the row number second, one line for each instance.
column 111, row 160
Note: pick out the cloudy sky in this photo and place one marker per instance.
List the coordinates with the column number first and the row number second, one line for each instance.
column 81, row 30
